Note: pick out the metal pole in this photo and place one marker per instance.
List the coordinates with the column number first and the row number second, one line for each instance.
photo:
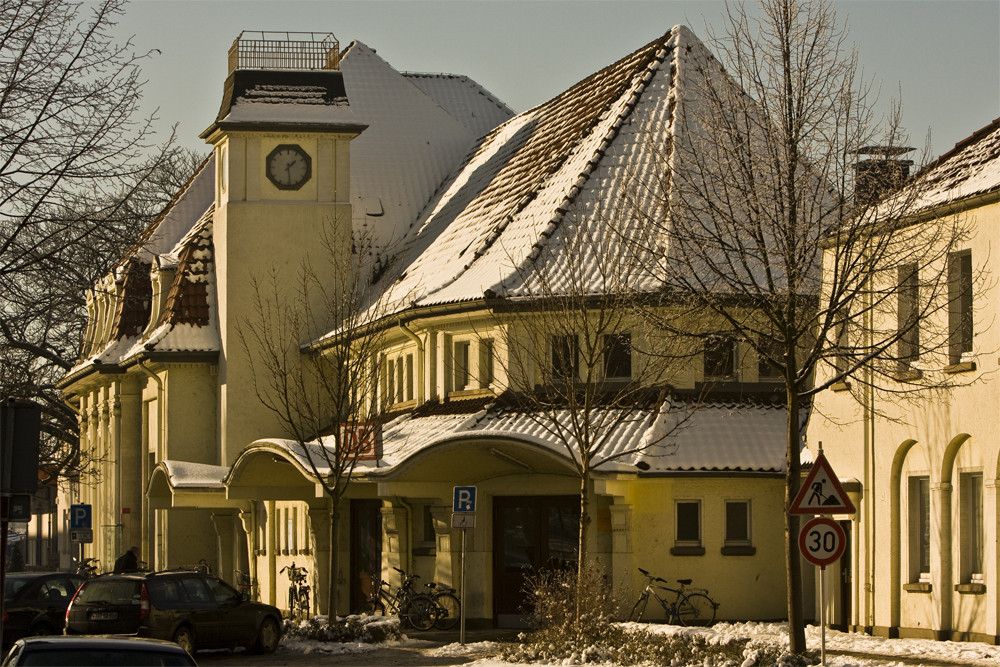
column 461, row 631
column 822, row 615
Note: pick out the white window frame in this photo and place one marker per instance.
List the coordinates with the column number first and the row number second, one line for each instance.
column 970, row 488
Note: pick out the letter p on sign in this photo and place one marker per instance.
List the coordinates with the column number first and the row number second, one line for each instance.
column 464, row 499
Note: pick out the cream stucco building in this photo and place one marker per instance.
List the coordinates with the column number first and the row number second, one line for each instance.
column 922, row 560
column 461, row 196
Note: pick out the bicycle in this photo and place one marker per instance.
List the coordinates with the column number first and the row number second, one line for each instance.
column 447, row 607
column 298, row 590
column 413, row 608
column 87, row 568
column 690, row 607
column 245, row 585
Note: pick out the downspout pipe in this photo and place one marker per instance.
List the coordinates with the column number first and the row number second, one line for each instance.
column 409, row 333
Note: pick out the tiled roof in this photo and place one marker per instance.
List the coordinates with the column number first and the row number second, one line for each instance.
column 466, row 101
column 716, row 437
column 188, row 298
column 411, row 145
column 566, row 159
column 971, row 168
column 133, row 306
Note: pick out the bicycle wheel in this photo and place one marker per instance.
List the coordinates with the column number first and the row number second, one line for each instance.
column 293, row 602
column 449, row 611
column 418, row 612
column 304, row 603
column 639, row 609
column 696, row 609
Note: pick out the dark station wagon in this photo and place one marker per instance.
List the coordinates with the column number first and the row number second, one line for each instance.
column 35, row 603
column 196, row 610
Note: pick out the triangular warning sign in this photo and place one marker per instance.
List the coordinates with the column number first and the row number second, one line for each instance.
column 821, row 492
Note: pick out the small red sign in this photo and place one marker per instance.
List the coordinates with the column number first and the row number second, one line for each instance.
column 126, row 510
column 821, row 541
column 361, row 440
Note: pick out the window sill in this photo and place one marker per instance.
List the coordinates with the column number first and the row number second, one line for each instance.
column 459, row 394
column 918, row 587
column 908, row 375
column 840, row 386
column 423, row 551
column 963, row 367
column 687, row 551
column 402, row 405
column 970, row 589
column 743, row 550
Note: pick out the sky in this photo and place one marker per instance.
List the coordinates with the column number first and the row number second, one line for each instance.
column 940, row 57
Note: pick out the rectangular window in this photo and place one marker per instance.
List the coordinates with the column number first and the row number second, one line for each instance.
column 618, row 356
column 720, row 358
column 400, row 382
column 959, row 305
column 907, row 314
column 390, row 382
column 920, row 528
column 461, row 365
column 689, row 522
column 565, row 357
column 774, row 348
column 486, row 369
column 971, row 517
column 737, row 522
column 409, row 377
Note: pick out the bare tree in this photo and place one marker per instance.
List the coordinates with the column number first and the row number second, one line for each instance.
column 75, row 155
column 581, row 362
column 772, row 228
column 323, row 393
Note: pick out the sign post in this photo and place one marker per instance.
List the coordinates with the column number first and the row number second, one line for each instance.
column 463, row 517
column 822, row 540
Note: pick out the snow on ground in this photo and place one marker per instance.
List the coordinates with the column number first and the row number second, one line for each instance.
column 843, row 649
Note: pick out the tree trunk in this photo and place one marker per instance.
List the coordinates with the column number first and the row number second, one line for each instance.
column 333, row 590
column 793, row 564
column 581, row 550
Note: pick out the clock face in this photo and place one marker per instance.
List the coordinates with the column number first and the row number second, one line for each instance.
column 288, row 167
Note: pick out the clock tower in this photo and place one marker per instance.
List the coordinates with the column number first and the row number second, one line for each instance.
column 282, row 204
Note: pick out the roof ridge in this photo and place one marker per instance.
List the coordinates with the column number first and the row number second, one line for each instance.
column 642, row 75
column 639, row 87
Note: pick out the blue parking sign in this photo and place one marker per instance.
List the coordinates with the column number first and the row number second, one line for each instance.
column 464, row 499
column 79, row 517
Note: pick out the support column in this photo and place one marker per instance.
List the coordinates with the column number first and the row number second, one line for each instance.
column 944, row 584
column 447, row 563
column 272, row 553
column 226, row 526
column 248, row 519
column 319, row 526
column 621, row 543
column 397, row 537
column 130, row 461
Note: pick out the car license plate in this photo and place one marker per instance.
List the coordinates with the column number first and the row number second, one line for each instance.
column 103, row 616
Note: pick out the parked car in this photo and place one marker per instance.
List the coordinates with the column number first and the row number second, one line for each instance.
column 194, row 609
column 35, row 603
column 97, row 651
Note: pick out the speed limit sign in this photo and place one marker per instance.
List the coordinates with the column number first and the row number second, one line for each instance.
column 822, row 541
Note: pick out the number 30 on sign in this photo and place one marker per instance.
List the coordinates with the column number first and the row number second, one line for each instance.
column 822, row 541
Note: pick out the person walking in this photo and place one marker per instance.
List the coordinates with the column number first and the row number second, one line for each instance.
column 128, row 561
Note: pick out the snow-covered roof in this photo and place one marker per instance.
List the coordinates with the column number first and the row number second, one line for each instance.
column 412, row 144
column 464, row 99
column 561, row 164
column 183, row 474
column 714, row 437
column 971, row 168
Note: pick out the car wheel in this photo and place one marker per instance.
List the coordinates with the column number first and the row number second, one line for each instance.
column 268, row 636
column 41, row 630
column 184, row 637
